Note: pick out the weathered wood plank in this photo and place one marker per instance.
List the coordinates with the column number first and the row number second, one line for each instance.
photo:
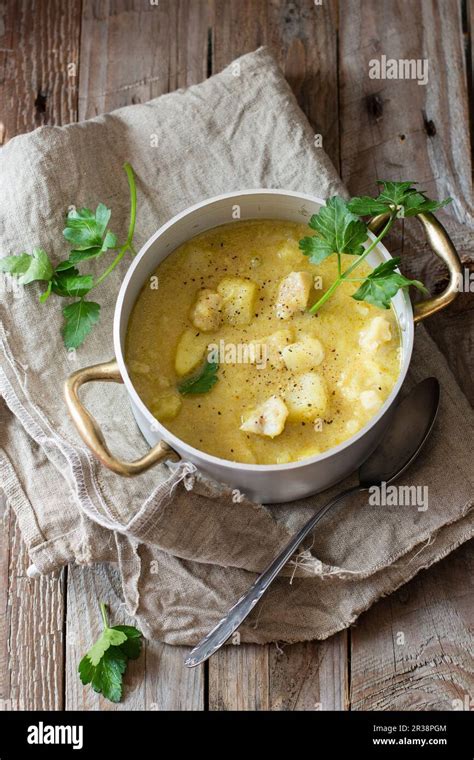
column 307, row 676
column 31, row 630
column 39, row 43
column 310, row 676
column 39, row 53
column 413, row 650
column 303, row 38
column 239, row 678
column 169, row 684
column 172, row 40
column 393, row 124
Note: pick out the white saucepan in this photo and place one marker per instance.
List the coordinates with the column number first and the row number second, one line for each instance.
column 263, row 483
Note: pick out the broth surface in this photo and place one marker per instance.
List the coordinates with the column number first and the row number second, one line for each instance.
column 357, row 379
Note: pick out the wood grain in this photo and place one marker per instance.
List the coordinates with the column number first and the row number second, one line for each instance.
column 239, row 678
column 39, row 51
column 39, row 54
column 32, row 643
column 132, row 52
column 413, row 650
column 311, row 676
column 302, row 37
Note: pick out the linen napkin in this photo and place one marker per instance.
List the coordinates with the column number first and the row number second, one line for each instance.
column 185, row 550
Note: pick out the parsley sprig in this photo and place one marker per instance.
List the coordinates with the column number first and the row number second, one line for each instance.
column 202, row 382
column 340, row 230
column 106, row 661
column 89, row 237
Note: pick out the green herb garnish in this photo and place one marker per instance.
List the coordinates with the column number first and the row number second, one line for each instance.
column 28, row 268
column 88, row 235
column 202, row 382
column 339, row 229
column 106, row 661
column 383, row 284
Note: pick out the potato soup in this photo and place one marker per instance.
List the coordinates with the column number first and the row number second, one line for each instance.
column 288, row 384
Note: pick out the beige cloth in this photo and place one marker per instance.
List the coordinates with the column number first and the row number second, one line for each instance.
column 185, row 551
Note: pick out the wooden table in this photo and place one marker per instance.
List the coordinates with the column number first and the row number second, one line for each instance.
column 64, row 61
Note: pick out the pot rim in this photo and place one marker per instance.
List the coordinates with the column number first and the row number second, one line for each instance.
column 181, row 445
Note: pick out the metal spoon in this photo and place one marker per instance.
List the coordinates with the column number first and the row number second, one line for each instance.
column 410, row 427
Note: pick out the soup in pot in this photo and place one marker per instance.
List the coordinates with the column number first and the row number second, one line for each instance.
column 223, row 351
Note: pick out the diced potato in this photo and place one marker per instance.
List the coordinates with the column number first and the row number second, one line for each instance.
column 269, row 350
column 305, row 354
column 206, row 313
column 375, row 334
column 268, row 419
column 190, row 351
column 238, row 299
column 293, row 294
column 166, row 407
column 361, row 376
column 306, row 397
column 370, row 400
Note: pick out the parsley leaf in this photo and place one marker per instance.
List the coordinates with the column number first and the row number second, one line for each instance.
column 29, row 268
column 69, row 283
column 109, row 637
column 15, row 264
column 202, row 382
column 87, row 232
column 340, row 231
column 400, row 196
column 106, row 661
column 383, row 283
column 132, row 645
column 80, row 317
column 106, row 676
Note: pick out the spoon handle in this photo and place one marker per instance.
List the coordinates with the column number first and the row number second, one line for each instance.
column 226, row 627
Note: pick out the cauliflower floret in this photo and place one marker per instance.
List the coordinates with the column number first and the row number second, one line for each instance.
column 306, row 353
column 370, row 400
column 293, row 294
column 376, row 333
column 268, row 419
column 206, row 313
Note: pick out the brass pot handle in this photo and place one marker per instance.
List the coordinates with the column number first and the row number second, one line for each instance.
column 442, row 245
column 90, row 431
